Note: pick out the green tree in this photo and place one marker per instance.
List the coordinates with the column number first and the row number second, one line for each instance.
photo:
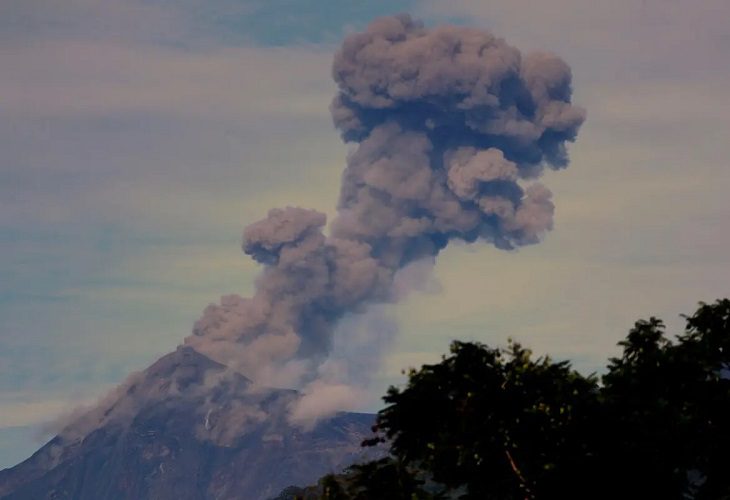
column 495, row 424
column 499, row 424
column 667, row 405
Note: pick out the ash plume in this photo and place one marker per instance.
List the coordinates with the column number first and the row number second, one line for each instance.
column 452, row 127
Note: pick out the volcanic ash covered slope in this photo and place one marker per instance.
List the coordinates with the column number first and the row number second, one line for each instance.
column 186, row 428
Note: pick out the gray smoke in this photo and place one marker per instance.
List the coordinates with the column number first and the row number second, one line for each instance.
column 452, row 128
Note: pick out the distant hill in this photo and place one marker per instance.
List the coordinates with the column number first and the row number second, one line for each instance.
column 186, row 428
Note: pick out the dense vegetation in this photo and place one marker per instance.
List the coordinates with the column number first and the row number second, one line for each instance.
column 490, row 423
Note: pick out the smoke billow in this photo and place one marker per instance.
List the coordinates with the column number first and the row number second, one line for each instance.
column 452, row 126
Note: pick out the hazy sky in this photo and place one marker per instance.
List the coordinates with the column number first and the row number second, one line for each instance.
column 140, row 136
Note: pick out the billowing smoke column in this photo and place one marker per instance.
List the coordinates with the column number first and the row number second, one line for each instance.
column 452, row 126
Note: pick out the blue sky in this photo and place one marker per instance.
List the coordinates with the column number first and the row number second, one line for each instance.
column 140, row 137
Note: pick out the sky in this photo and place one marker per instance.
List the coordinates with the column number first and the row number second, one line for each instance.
column 139, row 137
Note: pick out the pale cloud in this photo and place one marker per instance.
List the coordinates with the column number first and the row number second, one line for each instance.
column 320, row 399
column 183, row 22
column 624, row 38
column 152, row 137
column 99, row 78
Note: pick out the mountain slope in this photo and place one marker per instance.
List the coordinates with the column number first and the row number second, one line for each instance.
column 186, row 428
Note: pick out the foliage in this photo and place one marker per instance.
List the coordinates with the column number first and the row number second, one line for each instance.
column 498, row 424
column 667, row 405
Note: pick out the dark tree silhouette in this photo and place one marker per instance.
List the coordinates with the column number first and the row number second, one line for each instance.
column 498, row 424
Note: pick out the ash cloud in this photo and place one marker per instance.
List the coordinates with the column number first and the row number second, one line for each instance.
column 451, row 127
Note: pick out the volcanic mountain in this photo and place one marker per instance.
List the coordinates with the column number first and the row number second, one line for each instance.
column 450, row 128
column 186, row 428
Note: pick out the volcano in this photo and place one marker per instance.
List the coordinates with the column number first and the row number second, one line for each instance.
column 449, row 129
column 187, row 427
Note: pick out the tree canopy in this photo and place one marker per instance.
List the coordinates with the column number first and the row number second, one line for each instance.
column 489, row 423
